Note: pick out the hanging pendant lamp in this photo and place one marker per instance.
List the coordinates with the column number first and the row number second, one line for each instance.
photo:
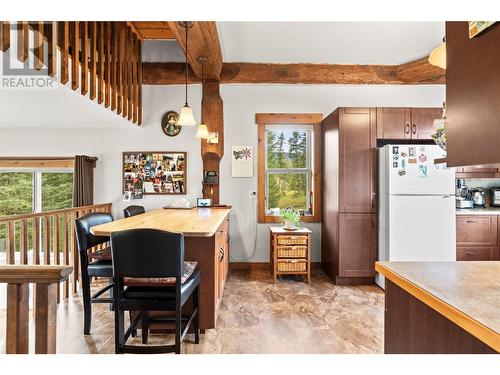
column 202, row 128
column 186, row 117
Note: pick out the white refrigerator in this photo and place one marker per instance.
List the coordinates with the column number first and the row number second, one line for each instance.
column 417, row 205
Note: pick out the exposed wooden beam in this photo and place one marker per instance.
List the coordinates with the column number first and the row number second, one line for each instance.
column 152, row 30
column 420, row 71
column 203, row 42
column 412, row 73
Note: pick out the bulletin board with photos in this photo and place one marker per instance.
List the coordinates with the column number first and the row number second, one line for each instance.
column 154, row 172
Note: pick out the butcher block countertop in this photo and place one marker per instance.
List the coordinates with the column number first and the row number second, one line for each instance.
column 467, row 293
column 196, row 222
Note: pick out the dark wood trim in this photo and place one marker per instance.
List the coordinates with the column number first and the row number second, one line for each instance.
column 263, row 119
column 412, row 73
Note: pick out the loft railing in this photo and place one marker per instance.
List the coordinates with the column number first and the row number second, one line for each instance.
column 45, row 238
column 46, row 280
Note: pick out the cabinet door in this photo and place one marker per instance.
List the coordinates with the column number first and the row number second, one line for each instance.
column 358, row 243
column 476, row 230
column 357, row 160
column 475, row 253
column 393, row 123
column 422, row 122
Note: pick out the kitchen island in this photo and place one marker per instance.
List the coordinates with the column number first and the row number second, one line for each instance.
column 206, row 241
column 441, row 307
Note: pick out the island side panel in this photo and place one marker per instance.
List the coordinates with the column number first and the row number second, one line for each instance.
column 412, row 327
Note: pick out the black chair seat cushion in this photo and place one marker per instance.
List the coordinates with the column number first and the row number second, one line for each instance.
column 103, row 254
column 189, row 268
column 163, row 292
column 100, row 268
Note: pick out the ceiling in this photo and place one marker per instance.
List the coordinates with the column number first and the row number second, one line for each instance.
column 314, row 42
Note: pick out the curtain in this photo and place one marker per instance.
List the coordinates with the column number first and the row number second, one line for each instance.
column 83, row 181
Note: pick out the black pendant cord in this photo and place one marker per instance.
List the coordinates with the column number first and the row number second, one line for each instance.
column 202, row 66
column 186, row 104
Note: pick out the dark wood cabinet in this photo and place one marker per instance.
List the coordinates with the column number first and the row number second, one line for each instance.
column 349, row 195
column 477, row 171
column 358, row 160
column 406, row 123
column 358, row 241
column 477, row 237
column 393, row 123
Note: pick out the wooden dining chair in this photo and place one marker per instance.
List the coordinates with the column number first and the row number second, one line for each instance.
column 133, row 210
column 150, row 274
column 98, row 266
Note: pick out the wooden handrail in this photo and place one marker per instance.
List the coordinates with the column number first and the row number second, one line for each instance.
column 46, row 280
column 47, row 238
column 19, row 274
column 33, row 215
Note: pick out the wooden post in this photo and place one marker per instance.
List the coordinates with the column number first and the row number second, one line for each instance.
column 64, row 30
column 45, row 318
column 4, row 36
column 75, row 55
column 11, row 243
column 17, row 318
column 22, row 41
column 39, row 44
column 52, row 55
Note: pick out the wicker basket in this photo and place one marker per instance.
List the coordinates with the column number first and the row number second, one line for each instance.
column 292, row 266
column 292, row 251
column 292, row 240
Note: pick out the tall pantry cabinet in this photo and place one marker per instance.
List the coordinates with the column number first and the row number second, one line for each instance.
column 349, row 230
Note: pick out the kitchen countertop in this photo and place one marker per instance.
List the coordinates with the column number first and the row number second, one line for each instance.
column 196, row 222
column 478, row 211
column 466, row 293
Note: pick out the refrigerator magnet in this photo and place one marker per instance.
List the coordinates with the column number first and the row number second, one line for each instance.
column 422, row 158
column 395, row 164
column 395, row 157
column 422, row 171
column 403, row 163
column 412, row 161
column 402, row 172
column 395, row 149
column 412, row 151
column 403, row 154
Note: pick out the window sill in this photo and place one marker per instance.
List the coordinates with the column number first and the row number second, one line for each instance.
column 277, row 219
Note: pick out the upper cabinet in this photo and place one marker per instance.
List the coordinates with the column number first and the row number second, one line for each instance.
column 472, row 95
column 406, row 123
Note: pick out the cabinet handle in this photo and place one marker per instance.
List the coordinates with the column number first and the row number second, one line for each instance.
column 472, row 221
column 414, row 129
column 221, row 258
column 373, row 223
column 407, row 128
column 469, row 253
column 228, row 236
column 373, row 202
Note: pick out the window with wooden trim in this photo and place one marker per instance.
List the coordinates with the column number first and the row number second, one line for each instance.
column 289, row 165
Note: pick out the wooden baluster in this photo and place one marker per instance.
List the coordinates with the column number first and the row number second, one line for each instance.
column 64, row 31
column 4, row 36
column 22, row 41
column 75, row 55
column 52, row 65
column 67, row 232
column 93, row 59
column 17, row 318
column 45, row 318
column 100, row 53
column 46, row 250
column 107, row 93
column 114, row 50
column 119, row 68
column 125, row 71
column 130, row 69
column 24, row 241
column 11, row 243
column 36, row 240
column 57, row 248
column 74, row 248
column 39, row 44
column 85, row 56
column 134, row 78
column 139, row 83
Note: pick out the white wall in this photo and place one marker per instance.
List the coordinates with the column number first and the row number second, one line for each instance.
column 104, row 139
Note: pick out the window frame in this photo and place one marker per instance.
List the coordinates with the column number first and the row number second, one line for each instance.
column 313, row 121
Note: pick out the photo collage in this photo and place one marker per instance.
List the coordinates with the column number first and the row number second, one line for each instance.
column 154, row 173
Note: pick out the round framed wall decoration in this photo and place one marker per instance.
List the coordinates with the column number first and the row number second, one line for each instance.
column 169, row 123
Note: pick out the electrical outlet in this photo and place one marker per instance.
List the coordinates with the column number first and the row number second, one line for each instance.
column 252, row 194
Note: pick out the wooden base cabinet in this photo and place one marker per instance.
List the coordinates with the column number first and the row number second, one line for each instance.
column 477, row 237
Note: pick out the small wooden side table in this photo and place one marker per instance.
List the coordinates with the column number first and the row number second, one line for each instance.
column 290, row 252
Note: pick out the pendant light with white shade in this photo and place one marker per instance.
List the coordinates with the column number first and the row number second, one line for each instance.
column 202, row 128
column 186, row 117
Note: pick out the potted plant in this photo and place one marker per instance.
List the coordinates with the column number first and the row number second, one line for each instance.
column 290, row 218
